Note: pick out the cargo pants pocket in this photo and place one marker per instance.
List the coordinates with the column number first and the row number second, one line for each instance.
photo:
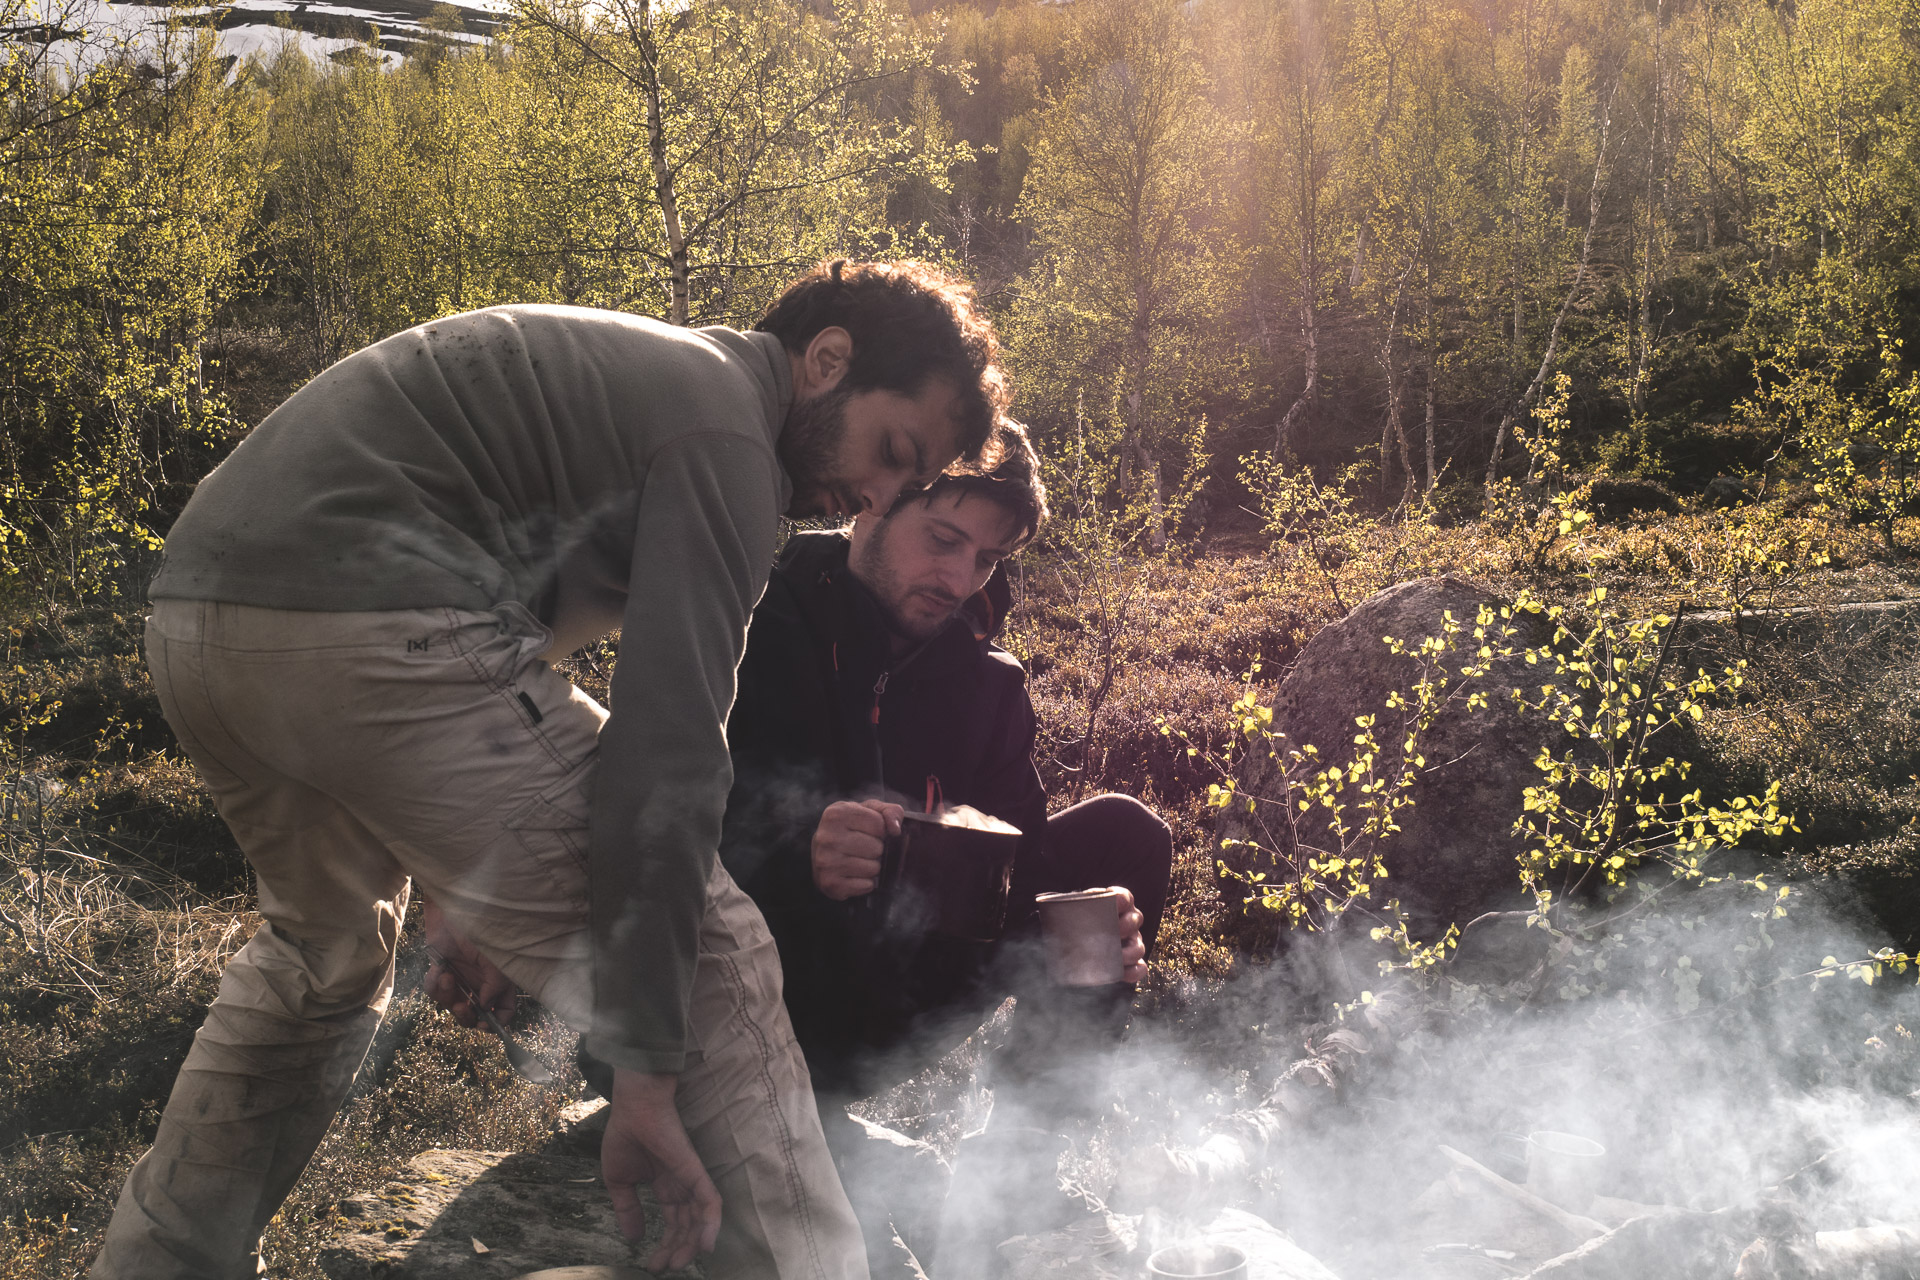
column 552, row 829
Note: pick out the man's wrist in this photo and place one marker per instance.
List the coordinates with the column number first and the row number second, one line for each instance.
column 624, row 1057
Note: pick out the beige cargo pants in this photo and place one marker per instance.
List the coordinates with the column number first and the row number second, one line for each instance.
column 351, row 753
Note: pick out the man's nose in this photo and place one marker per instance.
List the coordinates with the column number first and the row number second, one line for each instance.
column 878, row 496
column 955, row 576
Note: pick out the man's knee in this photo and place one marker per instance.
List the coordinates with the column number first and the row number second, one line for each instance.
column 314, row 979
column 1118, row 834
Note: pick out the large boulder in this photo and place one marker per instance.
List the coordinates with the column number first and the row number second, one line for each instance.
column 1455, row 855
column 490, row 1215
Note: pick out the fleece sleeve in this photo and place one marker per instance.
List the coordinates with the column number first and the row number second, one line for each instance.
column 705, row 533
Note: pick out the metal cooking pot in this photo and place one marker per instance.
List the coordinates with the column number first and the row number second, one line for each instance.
column 947, row 873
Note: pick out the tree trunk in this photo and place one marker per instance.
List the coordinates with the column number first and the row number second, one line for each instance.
column 1594, row 203
column 1394, row 428
column 1432, row 478
column 664, row 187
column 1643, row 360
column 1301, row 410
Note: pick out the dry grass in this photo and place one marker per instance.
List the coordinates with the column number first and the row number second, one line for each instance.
column 105, row 976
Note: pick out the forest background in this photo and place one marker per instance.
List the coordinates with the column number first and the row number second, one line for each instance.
column 1301, row 299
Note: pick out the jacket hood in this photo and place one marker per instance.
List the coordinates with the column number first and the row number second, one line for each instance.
column 812, row 556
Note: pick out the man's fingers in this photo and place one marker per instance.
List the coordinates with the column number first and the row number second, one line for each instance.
column 498, row 993
column 709, row 1210
column 691, row 1220
column 628, row 1211
column 889, row 815
column 445, row 992
column 672, row 1252
column 849, row 817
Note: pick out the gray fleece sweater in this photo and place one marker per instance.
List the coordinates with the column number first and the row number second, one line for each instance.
column 602, row 469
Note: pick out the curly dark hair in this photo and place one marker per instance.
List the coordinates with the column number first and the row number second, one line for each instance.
column 1011, row 479
column 910, row 321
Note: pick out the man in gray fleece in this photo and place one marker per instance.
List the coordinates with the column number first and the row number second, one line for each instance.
column 350, row 636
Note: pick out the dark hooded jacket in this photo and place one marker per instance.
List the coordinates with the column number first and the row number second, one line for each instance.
column 824, row 713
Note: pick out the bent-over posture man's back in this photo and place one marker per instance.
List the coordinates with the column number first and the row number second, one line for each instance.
column 350, row 635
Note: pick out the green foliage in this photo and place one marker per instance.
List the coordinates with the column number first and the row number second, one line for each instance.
column 1539, row 528
column 126, row 203
column 1319, row 832
column 1603, row 805
column 1126, row 302
column 1867, row 455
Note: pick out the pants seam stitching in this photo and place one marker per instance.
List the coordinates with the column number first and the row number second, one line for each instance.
column 796, row 1185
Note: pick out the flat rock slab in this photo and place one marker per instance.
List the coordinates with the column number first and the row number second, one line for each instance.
column 529, row 1212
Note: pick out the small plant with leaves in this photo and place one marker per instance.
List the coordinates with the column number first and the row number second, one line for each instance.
column 1297, row 507
column 1867, row 459
column 1608, row 802
column 1098, row 544
column 1352, row 551
column 1752, row 558
column 1541, row 513
column 1311, row 832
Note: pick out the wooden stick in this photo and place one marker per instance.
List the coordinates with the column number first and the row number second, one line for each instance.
column 1574, row 1225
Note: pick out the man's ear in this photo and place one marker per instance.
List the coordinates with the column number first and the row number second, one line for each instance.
column 824, row 363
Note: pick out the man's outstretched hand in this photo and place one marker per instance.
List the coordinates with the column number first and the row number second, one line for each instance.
column 456, row 964
column 646, row 1144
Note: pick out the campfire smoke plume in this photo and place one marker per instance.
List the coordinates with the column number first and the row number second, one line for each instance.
column 1756, row 1120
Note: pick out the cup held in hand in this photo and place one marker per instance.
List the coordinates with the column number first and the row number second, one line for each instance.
column 1082, row 932
column 947, row 873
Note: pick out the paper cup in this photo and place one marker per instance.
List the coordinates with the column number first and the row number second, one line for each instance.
column 1200, row 1261
column 1563, row 1168
column 1082, row 932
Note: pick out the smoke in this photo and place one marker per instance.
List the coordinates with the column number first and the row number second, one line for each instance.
column 1699, row 1037
column 1684, row 1035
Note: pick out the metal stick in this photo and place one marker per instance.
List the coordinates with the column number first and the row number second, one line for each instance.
column 518, row 1055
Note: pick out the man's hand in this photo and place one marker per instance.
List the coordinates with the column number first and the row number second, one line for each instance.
column 1133, row 948
column 847, row 844
column 645, row 1143
column 457, row 963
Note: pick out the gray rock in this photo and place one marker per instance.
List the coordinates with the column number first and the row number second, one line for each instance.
column 1728, row 491
column 527, row 1212
column 1615, row 497
column 1454, row 856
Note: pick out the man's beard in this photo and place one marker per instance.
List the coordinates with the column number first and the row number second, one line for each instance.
column 809, row 449
column 875, row 573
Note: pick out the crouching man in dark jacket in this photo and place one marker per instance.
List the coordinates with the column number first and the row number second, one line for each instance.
column 871, row 684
